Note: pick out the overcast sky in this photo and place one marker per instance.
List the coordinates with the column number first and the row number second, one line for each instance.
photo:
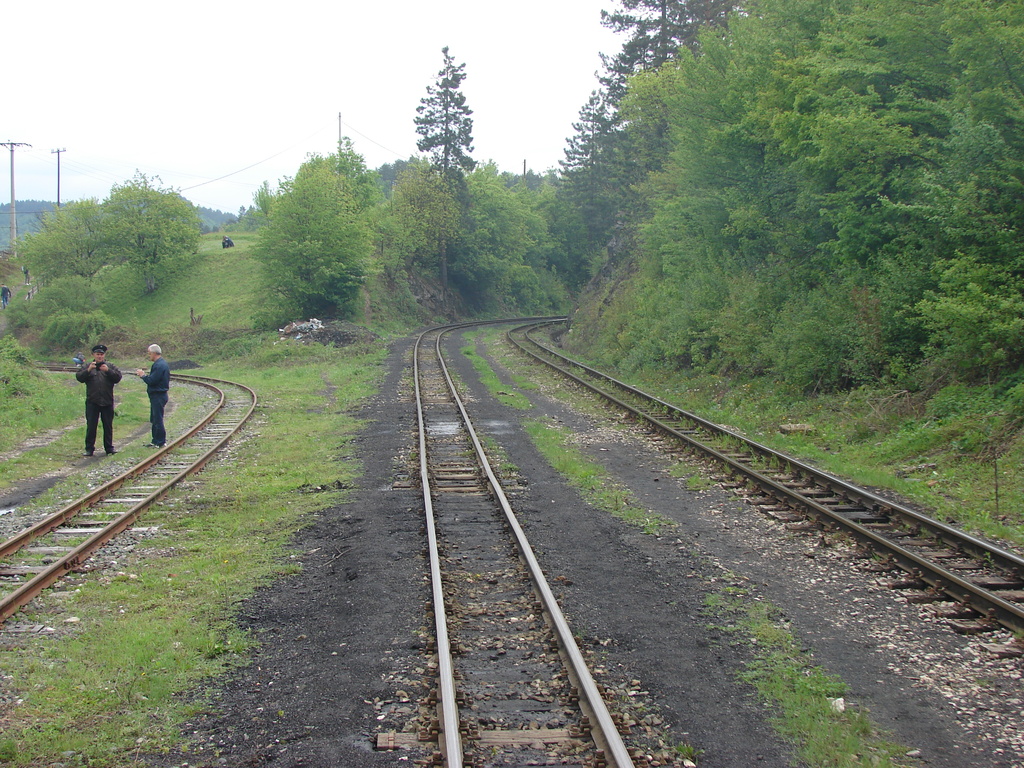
column 216, row 97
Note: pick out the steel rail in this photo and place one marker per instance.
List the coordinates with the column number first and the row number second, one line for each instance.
column 605, row 732
column 23, row 595
column 959, row 589
column 61, row 516
column 971, row 544
column 452, row 747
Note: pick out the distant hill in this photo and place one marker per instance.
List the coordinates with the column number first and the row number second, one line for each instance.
column 29, row 214
column 30, row 217
column 214, row 220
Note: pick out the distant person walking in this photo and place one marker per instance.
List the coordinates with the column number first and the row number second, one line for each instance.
column 158, row 381
column 5, row 296
column 99, row 378
column 25, row 270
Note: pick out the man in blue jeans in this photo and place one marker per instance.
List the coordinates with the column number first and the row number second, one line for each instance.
column 158, row 381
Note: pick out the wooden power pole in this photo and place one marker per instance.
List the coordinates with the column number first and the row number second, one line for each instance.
column 57, row 152
column 14, row 220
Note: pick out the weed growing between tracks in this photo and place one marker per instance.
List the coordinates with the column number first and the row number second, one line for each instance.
column 490, row 379
column 802, row 694
column 161, row 623
column 589, row 477
column 811, row 711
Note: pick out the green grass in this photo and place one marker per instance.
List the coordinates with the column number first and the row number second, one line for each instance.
column 591, row 479
column 163, row 626
column 802, row 695
column 222, row 286
column 51, row 403
column 502, row 393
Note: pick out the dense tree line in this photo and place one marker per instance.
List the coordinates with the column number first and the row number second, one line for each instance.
column 828, row 193
column 489, row 242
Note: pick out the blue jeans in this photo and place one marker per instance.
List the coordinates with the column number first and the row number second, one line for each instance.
column 157, row 401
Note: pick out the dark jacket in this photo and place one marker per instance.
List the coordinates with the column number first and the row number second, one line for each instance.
column 99, row 385
column 159, row 377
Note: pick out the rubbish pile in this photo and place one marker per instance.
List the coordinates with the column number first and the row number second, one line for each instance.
column 296, row 329
column 331, row 332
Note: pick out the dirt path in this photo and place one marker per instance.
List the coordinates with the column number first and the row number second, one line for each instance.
column 17, row 285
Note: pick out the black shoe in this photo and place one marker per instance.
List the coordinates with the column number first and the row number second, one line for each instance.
column 111, row 453
column 87, row 453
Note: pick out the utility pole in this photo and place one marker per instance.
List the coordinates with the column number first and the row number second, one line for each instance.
column 57, row 152
column 14, row 221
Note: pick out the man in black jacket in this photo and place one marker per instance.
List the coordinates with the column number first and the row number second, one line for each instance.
column 99, row 378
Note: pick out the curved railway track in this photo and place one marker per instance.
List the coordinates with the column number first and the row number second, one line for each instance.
column 975, row 585
column 61, row 542
column 512, row 685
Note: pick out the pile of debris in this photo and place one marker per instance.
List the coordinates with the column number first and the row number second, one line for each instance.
column 299, row 327
column 331, row 332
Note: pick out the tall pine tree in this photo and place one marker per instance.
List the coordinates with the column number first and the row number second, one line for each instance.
column 446, row 133
column 657, row 29
column 443, row 121
column 589, row 168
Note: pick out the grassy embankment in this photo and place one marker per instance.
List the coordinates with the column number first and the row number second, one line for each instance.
column 107, row 686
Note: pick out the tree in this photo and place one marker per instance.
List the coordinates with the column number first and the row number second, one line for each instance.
column 657, row 29
column 443, row 121
column 589, row 167
column 70, row 242
column 317, row 243
column 426, row 217
column 145, row 226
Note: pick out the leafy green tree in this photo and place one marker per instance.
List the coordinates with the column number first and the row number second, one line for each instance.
column 316, row 245
column 426, row 216
column 70, row 242
column 443, row 121
column 147, row 226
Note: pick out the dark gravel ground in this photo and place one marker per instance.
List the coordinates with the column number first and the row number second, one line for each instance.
column 342, row 652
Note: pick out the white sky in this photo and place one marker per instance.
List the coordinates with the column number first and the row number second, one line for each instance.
column 192, row 91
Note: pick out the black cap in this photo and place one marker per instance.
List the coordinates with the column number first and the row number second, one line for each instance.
column 99, row 348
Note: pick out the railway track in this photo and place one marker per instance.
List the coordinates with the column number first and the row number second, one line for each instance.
column 61, row 542
column 511, row 684
column 974, row 584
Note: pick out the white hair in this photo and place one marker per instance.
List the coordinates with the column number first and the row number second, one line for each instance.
column 155, row 348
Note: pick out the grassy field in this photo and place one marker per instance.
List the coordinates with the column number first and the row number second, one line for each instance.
column 222, row 288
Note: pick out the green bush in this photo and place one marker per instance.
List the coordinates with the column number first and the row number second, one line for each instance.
column 68, row 329
column 18, row 376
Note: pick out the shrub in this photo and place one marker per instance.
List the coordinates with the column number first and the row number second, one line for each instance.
column 68, row 329
column 18, row 375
